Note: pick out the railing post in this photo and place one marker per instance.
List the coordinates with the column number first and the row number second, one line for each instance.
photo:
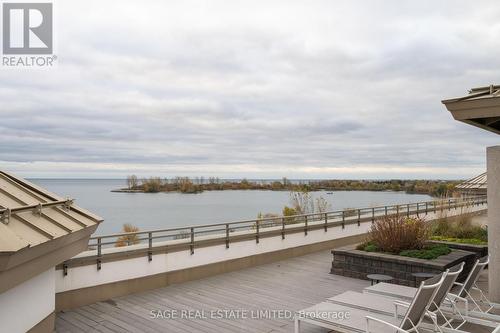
column 326, row 222
column 418, row 207
column 282, row 228
column 397, row 210
column 449, row 204
column 150, row 246
column 426, row 208
column 373, row 215
column 408, row 210
column 192, row 241
column 343, row 219
column 305, row 225
column 257, row 226
column 359, row 217
column 385, row 210
column 227, row 236
column 99, row 253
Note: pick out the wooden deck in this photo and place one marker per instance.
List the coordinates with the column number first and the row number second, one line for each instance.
column 291, row 285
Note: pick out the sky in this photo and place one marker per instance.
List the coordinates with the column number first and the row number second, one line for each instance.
column 256, row 89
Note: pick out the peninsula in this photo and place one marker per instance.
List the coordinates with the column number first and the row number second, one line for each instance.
column 437, row 188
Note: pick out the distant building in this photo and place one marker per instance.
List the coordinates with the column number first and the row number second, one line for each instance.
column 474, row 186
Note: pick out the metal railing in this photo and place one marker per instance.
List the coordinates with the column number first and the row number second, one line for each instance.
column 191, row 237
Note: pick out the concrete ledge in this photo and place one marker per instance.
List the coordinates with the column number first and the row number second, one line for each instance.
column 79, row 297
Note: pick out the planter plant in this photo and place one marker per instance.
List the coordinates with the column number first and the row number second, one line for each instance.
column 407, row 237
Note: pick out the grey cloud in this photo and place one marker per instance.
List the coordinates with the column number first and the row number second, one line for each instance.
column 280, row 84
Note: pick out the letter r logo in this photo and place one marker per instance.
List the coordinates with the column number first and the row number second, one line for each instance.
column 27, row 28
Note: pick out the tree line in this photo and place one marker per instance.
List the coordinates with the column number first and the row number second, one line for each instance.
column 438, row 188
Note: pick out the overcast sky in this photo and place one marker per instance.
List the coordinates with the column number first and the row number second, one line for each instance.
column 257, row 89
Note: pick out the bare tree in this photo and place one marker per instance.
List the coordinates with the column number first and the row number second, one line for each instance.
column 132, row 181
column 302, row 202
column 322, row 205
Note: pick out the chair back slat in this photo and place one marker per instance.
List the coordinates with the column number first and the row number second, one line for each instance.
column 421, row 302
column 451, row 276
column 473, row 276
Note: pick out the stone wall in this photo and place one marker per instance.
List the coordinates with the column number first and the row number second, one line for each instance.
column 348, row 261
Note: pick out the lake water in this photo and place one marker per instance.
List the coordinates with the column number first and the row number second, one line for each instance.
column 166, row 210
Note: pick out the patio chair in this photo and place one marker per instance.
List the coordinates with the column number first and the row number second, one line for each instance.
column 462, row 294
column 470, row 285
column 350, row 320
column 389, row 306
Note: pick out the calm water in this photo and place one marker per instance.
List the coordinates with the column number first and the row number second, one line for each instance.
column 164, row 210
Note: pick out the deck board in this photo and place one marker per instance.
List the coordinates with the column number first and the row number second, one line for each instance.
column 291, row 284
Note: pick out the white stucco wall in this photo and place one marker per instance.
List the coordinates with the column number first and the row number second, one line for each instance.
column 87, row 276
column 28, row 303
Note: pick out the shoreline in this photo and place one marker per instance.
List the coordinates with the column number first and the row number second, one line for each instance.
column 435, row 188
column 124, row 190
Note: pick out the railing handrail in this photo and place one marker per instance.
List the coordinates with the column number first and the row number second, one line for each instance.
column 257, row 229
column 281, row 217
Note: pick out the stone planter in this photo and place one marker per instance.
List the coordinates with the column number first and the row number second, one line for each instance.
column 347, row 261
column 479, row 250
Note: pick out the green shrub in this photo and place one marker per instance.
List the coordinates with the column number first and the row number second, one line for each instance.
column 288, row 211
column 361, row 246
column 429, row 252
column 473, row 241
column 371, row 248
column 483, row 234
column 441, row 227
column 368, row 247
column 461, row 228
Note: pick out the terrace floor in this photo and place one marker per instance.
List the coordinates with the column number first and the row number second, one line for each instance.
column 292, row 285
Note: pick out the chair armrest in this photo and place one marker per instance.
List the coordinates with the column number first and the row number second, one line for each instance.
column 368, row 318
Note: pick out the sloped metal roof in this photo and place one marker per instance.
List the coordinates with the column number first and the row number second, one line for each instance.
column 481, row 108
column 476, row 183
column 30, row 216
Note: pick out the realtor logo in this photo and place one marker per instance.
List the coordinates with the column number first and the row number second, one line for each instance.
column 27, row 34
column 27, row 28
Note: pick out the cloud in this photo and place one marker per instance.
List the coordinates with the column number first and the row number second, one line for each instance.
column 244, row 89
